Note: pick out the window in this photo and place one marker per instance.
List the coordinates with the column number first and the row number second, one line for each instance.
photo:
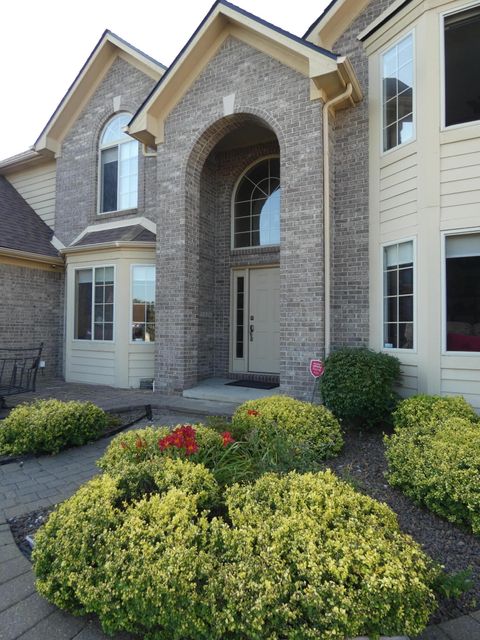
column 94, row 303
column 398, row 283
column 462, row 52
column 118, row 167
column 463, row 292
column 240, row 322
column 143, row 303
column 397, row 94
column 257, row 206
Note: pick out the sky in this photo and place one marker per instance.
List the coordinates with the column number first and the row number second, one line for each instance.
column 44, row 43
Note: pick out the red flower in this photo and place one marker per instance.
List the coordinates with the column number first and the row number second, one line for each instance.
column 140, row 443
column 227, row 438
column 252, row 412
column 181, row 438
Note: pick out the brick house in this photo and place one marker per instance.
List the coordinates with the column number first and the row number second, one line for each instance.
column 266, row 199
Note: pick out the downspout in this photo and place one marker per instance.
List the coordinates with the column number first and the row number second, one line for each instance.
column 326, row 211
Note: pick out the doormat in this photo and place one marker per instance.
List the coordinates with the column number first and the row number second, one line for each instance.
column 253, row 384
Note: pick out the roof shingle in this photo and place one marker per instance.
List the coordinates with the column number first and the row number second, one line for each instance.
column 21, row 228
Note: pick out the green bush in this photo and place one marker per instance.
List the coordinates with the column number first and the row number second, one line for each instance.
column 357, row 385
column 47, row 426
column 295, row 434
column 420, row 411
column 434, row 457
column 294, row 557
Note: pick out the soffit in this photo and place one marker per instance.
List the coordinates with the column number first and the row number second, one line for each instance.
column 224, row 20
column 108, row 49
column 334, row 21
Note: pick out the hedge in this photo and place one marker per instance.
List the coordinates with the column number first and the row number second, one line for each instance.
column 292, row 557
column 434, row 457
column 47, row 426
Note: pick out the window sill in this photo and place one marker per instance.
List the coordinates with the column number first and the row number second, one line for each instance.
column 116, row 214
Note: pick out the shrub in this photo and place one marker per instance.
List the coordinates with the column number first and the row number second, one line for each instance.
column 290, row 432
column 419, row 411
column 47, row 426
column 358, row 385
column 296, row 557
column 434, row 457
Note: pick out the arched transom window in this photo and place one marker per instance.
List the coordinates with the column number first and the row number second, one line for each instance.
column 257, row 206
column 118, row 166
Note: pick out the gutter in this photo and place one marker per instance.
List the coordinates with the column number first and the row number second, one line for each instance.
column 53, row 261
column 116, row 244
column 327, row 213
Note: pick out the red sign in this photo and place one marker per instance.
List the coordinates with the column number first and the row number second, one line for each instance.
column 317, row 368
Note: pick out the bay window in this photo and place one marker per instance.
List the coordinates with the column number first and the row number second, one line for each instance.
column 143, row 303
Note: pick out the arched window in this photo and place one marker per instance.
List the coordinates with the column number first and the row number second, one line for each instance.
column 256, row 209
column 118, row 166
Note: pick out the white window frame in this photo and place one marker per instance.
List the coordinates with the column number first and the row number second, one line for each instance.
column 444, row 235
column 93, row 267
column 232, row 207
column 443, row 110
column 101, row 148
column 382, row 52
column 141, row 342
column 383, row 246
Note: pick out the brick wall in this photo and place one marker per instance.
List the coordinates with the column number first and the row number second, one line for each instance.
column 32, row 312
column 350, row 271
column 77, row 166
column 278, row 97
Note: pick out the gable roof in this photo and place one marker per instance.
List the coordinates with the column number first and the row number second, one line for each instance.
column 225, row 19
column 21, row 229
column 109, row 47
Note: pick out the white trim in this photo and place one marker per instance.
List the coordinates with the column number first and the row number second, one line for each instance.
column 443, row 111
column 383, row 245
column 116, row 224
column 58, row 244
column 403, row 36
column 93, row 267
column 130, row 316
column 232, row 205
column 443, row 293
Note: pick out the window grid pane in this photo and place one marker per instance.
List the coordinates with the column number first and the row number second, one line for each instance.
column 257, row 206
column 143, row 303
column 398, row 296
column 397, row 98
column 94, row 299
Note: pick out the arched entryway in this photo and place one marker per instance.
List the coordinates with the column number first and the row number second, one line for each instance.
column 233, row 208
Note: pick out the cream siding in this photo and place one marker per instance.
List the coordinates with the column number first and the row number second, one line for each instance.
column 423, row 191
column 37, row 186
column 141, row 363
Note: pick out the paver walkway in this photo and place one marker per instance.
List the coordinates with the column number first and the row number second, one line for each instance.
column 46, row 480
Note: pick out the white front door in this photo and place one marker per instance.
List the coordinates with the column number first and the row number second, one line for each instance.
column 263, row 322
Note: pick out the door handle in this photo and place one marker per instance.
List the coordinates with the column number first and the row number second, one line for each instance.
column 251, row 332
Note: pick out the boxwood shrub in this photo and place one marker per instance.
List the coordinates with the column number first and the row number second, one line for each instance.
column 291, row 557
column 358, row 385
column 310, row 432
column 47, row 426
column 434, row 457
